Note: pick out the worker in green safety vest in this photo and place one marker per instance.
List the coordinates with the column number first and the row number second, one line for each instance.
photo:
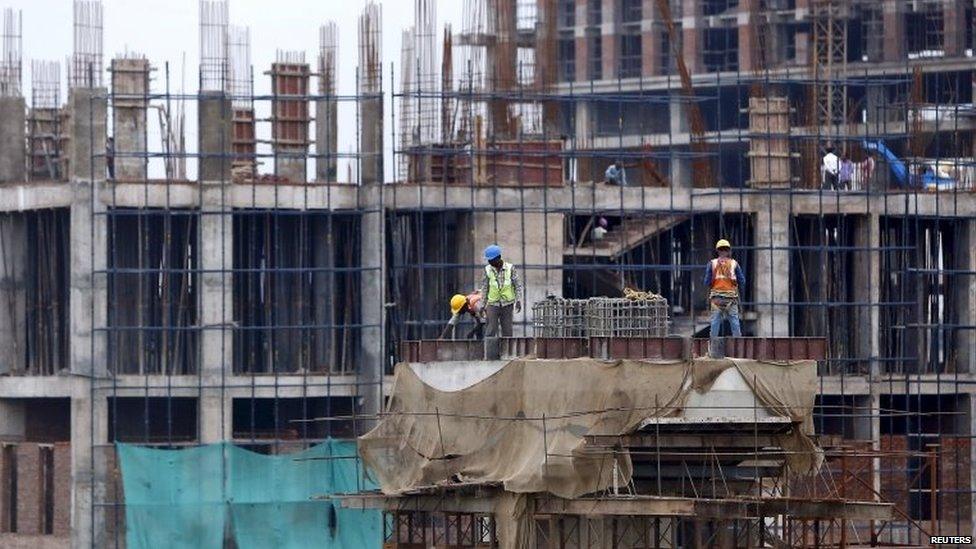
column 502, row 289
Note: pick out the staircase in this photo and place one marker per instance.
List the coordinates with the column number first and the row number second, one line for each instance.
column 619, row 240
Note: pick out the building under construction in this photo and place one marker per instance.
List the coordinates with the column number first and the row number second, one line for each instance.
column 167, row 301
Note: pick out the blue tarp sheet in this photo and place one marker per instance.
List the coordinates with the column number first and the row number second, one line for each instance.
column 197, row 497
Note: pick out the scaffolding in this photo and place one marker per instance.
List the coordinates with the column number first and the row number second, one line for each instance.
column 269, row 309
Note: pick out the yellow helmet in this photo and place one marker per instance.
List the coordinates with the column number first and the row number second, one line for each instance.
column 722, row 244
column 457, row 302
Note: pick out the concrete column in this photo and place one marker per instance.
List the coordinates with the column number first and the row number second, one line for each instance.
column 216, row 310
column 771, row 274
column 582, row 45
column 609, row 30
column 372, row 294
column 748, row 36
column 867, row 289
column 894, row 30
column 89, row 418
column 954, row 17
column 582, row 137
column 680, row 167
column 130, row 86
column 215, row 123
column 326, row 141
column 13, row 144
column 289, row 84
column 965, row 297
column 529, row 239
column 13, row 296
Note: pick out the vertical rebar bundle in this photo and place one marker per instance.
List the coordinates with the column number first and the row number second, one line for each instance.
column 328, row 50
column 239, row 62
column 370, row 47
column 407, row 115
column 471, row 65
column 85, row 70
column 214, row 18
column 45, row 84
column 427, row 78
column 10, row 66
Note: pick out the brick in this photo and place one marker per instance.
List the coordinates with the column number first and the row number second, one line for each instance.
column 955, row 504
column 5, row 476
column 29, row 488
column 62, row 489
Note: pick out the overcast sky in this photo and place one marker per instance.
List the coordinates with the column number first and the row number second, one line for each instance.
column 167, row 30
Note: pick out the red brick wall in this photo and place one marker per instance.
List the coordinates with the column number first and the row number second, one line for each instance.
column 955, row 506
column 894, row 464
column 5, row 475
column 62, row 489
column 29, row 488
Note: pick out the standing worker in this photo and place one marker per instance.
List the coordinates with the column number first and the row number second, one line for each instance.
column 470, row 304
column 502, row 289
column 724, row 277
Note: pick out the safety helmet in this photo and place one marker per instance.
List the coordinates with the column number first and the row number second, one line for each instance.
column 722, row 244
column 493, row 252
column 457, row 302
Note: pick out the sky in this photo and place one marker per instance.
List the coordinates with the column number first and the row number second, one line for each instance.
column 168, row 31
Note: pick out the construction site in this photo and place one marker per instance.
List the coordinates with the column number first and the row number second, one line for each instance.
column 220, row 309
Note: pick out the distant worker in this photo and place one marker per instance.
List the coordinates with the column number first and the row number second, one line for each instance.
column 845, row 174
column 502, row 291
column 724, row 277
column 615, row 175
column 600, row 231
column 471, row 305
column 831, row 169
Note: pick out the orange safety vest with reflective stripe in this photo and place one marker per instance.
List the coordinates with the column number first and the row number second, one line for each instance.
column 723, row 275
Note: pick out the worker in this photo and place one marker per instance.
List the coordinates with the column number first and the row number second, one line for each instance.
column 830, row 169
column 724, row 276
column 600, row 231
column 461, row 305
column 845, row 173
column 502, row 291
column 615, row 175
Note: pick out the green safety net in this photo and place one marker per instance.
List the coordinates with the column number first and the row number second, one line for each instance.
column 205, row 496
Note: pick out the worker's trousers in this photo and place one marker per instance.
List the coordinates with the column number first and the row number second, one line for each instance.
column 499, row 316
column 720, row 313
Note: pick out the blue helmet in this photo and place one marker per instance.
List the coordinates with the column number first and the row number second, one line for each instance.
column 493, row 252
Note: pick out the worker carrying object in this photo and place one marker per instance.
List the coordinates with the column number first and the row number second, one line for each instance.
column 724, row 276
column 461, row 305
column 502, row 290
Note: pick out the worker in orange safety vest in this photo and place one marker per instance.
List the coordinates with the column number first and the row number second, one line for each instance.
column 724, row 276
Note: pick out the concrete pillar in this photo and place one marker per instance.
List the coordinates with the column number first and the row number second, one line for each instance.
column 529, row 240
column 867, row 289
column 680, row 167
column 215, row 123
column 216, row 310
column 372, row 294
column 130, row 86
column 13, row 144
column 894, row 30
column 965, row 297
column 582, row 42
column 89, row 415
column 748, row 36
column 609, row 30
column 582, row 137
column 954, row 17
column 326, row 141
column 771, row 274
column 13, row 296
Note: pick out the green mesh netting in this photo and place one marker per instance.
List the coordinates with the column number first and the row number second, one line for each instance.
column 198, row 497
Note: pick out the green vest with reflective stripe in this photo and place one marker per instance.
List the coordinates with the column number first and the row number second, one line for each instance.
column 503, row 292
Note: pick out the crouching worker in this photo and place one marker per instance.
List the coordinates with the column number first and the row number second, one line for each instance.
column 724, row 276
column 471, row 305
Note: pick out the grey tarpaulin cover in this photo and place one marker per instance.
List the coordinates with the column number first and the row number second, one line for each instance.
column 524, row 426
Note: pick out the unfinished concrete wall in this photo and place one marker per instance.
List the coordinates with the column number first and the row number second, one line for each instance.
column 13, row 292
column 13, row 144
column 326, row 140
column 130, row 84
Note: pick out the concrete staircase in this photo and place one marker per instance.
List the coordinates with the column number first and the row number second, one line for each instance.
column 619, row 240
